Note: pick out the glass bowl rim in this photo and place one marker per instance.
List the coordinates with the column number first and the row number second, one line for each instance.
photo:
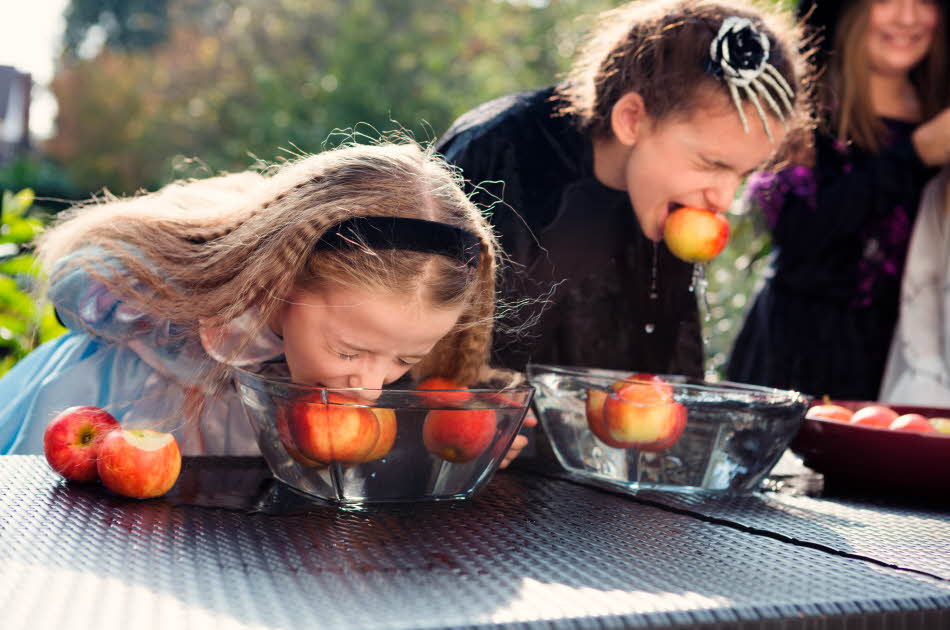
column 286, row 382
column 759, row 391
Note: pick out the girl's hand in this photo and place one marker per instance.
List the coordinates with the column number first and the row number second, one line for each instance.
column 519, row 442
column 932, row 139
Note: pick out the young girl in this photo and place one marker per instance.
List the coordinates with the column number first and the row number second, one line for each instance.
column 823, row 322
column 671, row 103
column 352, row 266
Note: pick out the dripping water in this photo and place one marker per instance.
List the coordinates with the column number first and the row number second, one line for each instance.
column 649, row 327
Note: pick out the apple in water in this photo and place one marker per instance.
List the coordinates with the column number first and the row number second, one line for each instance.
column 387, row 433
column 829, row 411
column 71, row 441
column 874, row 416
column 439, row 398
column 459, row 435
column 139, row 463
column 942, row 425
column 283, row 432
column 696, row 234
column 913, row 422
column 644, row 415
column 340, row 430
column 595, row 409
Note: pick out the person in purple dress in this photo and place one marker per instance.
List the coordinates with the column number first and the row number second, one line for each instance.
column 841, row 221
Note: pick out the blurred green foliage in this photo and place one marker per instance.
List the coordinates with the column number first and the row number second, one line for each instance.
column 23, row 323
column 150, row 91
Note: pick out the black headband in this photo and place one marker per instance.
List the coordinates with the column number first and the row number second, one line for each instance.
column 417, row 235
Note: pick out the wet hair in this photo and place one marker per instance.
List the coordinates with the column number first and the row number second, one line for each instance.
column 844, row 95
column 661, row 50
column 208, row 250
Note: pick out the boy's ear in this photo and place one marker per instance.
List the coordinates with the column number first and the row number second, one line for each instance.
column 627, row 118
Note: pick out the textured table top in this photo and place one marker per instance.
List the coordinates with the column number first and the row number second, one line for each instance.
column 231, row 548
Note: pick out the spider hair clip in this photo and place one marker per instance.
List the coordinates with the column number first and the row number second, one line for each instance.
column 740, row 55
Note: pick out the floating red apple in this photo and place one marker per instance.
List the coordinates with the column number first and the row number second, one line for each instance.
column 387, row 433
column 874, row 416
column 912, row 422
column 595, row 409
column 439, row 398
column 643, row 415
column 72, row 440
column 696, row 234
column 341, row 430
column 459, row 435
column 139, row 463
column 283, row 432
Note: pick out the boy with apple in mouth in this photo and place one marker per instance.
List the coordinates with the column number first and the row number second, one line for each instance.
column 670, row 105
column 350, row 267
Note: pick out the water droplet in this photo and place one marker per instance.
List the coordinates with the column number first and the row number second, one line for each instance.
column 649, row 328
column 654, row 295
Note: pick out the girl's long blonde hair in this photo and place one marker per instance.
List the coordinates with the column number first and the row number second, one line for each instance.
column 208, row 250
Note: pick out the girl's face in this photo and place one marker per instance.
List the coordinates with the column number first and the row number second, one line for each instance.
column 343, row 337
column 699, row 159
column 900, row 33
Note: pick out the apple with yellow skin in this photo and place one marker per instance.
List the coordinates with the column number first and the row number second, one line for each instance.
column 696, row 234
column 459, row 435
column 594, row 408
column 643, row 415
column 440, row 396
column 874, row 416
column 72, row 439
column 140, row 464
column 913, row 423
column 829, row 411
column 942, row 425
column 340, row 430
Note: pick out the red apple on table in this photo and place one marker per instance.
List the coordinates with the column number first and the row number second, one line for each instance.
column 874, row 416
column 942, row 425
column 696, row 234
column 439, row 398
column 912, row 422
column 459, row 435
column 341, row 430
column 72, row 439
column 139, row 463
column 643, row 415
column 830, row 411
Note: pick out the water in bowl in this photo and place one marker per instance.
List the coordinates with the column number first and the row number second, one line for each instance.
column 408, row 472
column 732, row 438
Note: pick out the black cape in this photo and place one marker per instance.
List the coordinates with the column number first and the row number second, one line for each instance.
column 823, row 322
column 579, row 265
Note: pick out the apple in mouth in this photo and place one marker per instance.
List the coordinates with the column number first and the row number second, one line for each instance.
column 140, row 464
column 695, row 234
column 72, row 439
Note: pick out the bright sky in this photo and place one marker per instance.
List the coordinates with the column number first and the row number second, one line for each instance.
column 29, row 41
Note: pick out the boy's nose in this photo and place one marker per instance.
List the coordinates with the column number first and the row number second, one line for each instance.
column 719, row 198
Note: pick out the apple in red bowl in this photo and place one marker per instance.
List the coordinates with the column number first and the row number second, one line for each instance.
column 902, row 453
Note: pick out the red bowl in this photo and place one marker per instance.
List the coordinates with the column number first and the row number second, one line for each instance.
column 872, row 456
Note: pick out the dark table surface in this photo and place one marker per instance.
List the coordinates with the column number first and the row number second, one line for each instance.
column 229, row 547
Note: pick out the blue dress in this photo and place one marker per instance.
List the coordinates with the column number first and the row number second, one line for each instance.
column 137, row 367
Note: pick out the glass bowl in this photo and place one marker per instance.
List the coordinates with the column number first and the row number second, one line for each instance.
column 406, row 445
column 682, row 435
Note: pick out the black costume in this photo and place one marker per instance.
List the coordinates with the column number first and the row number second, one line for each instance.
column 823, row 322
column 575, row 241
